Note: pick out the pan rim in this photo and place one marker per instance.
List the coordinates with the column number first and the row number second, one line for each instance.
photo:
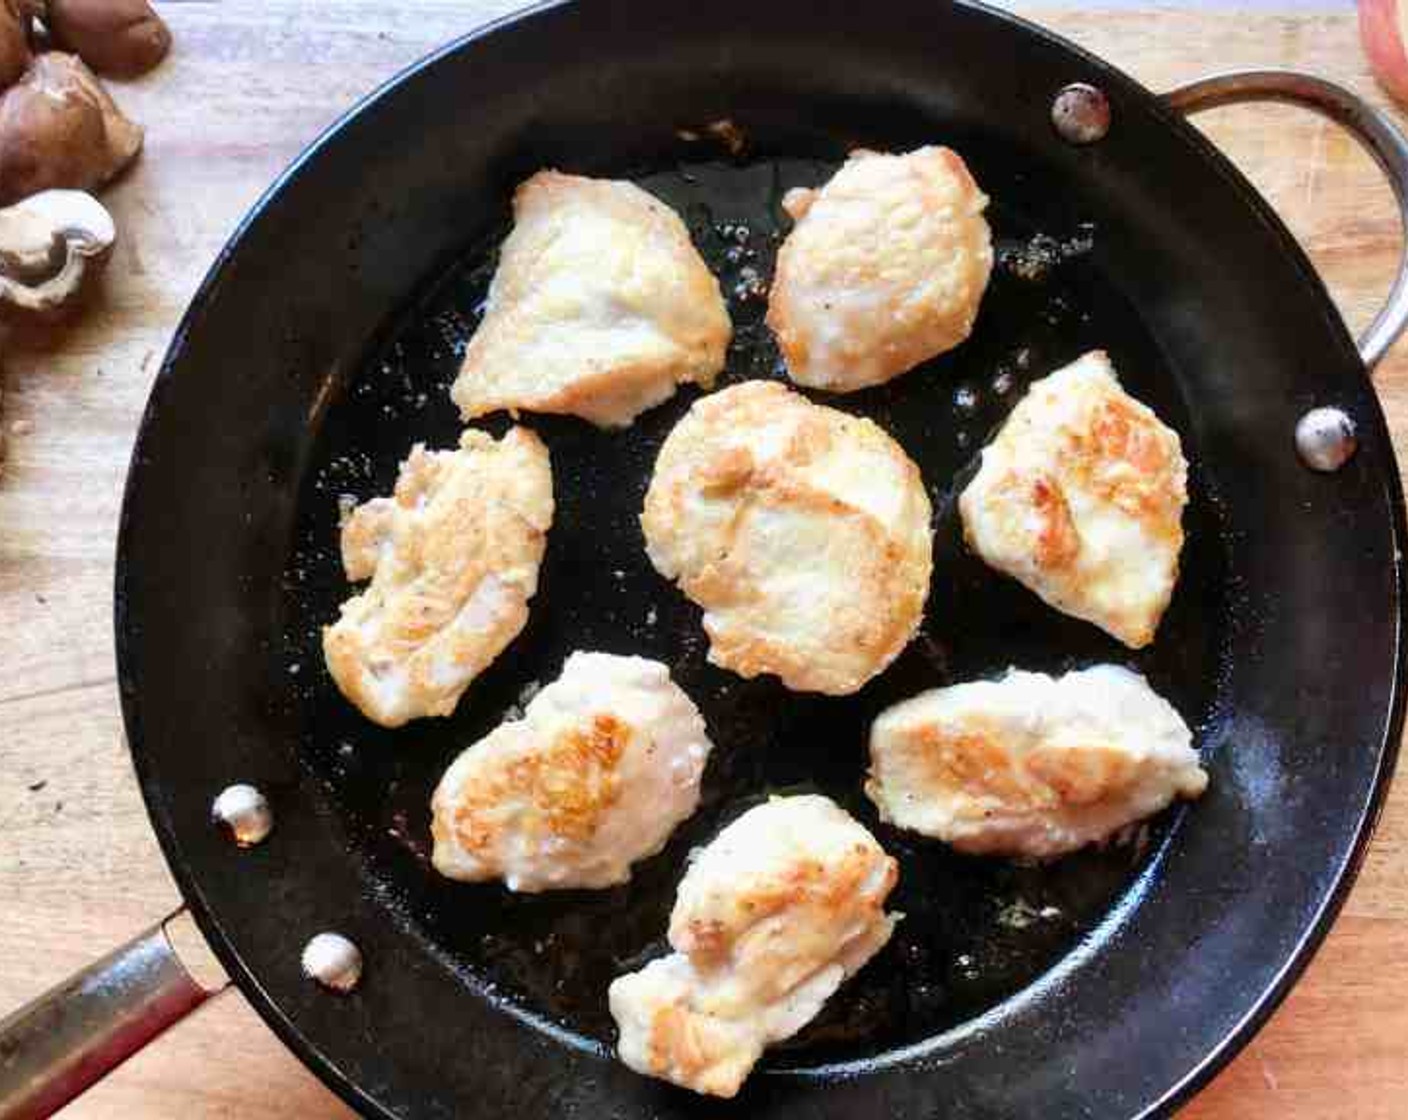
column 1374, row 422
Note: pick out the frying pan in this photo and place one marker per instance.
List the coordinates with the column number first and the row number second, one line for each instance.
column 1110, row 984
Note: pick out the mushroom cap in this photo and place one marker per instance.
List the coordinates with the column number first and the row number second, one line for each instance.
column 60, row 129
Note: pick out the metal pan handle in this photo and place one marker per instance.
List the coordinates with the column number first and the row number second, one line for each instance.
column 1372, row 128
column 57, row 1046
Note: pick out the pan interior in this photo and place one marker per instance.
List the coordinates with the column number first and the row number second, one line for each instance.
column 975, row 931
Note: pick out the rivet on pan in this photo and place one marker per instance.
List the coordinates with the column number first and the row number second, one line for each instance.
column 244, row 814
column 1325, row 439
column 333, row 961
column 1081, row 114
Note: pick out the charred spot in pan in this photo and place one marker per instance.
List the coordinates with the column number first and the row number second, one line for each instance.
column 976, row 931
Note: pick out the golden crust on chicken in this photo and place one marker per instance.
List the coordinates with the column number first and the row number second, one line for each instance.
column 803, row 532
column 884, row 269
column 453, row 559
column 1080, row 498
column 601, row 305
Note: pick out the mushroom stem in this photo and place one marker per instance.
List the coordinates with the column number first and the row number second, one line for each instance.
column 51, row 244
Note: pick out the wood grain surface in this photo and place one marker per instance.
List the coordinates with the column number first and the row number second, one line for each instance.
column 248, row 85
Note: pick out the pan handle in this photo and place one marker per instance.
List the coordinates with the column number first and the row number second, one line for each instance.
column 1371, row 127
column 53, row 1048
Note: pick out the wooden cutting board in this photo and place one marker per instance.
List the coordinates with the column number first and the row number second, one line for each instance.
column 247, row 86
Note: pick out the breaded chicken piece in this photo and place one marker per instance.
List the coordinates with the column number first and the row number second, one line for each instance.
column 770, row 918
column 600, row 306
column 453, row 559
column 605, row 762
column 1031, row 765
column 802, row 531
column 884, row 268
column 1080, row 497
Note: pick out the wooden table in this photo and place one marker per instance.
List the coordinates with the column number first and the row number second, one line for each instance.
column 246, row 87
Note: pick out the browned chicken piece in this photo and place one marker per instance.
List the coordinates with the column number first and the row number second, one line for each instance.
column 453, row 560
column 1031, row 765
column 600, row 307
column 603, row 765
column 770, row 918
column 801, row 530
column 884, row 269
column 1080, row 497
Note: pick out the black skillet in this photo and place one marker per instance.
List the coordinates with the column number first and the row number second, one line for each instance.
column 1111, row 984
